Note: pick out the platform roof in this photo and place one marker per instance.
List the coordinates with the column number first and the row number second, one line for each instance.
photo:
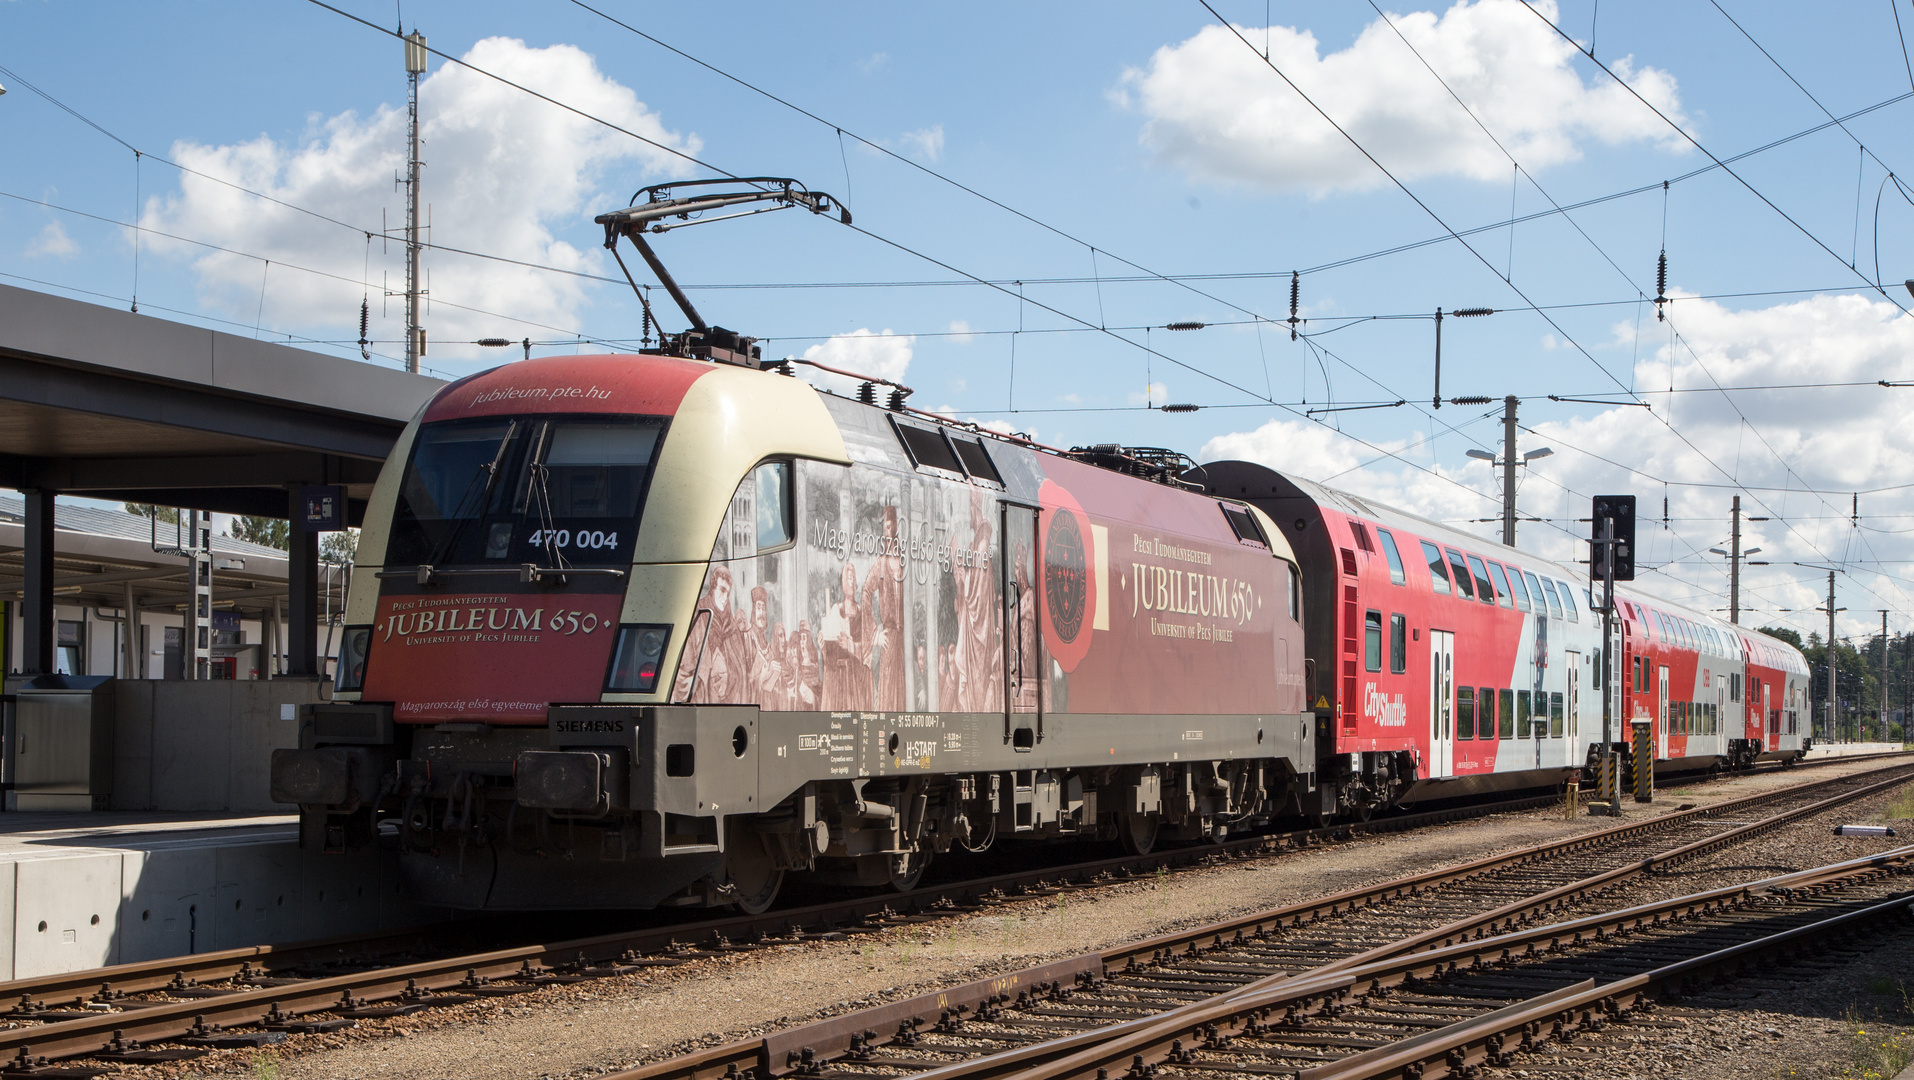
column 101, row 552
column 106, row 403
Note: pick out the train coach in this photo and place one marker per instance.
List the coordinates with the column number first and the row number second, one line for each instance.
column 641, row 630
column 1444, row 665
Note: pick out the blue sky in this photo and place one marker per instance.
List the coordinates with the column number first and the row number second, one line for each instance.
column 1138, row 132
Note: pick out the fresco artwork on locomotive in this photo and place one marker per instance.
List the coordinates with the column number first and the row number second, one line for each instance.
column 885, row 592
column 817, row 618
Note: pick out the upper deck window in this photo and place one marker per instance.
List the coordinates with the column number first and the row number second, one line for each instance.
column 1502, row 594
column 1554, row 602
column 1438, row 570
column 1461, row 574
column 1396, row 575
column 1521, row 590
column 1483, row 591
column 1567, row 594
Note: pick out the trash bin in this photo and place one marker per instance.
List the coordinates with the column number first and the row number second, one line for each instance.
column 62, row 743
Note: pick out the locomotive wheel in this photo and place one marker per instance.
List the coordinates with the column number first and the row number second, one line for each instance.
column 1137, row 833
column 908, row 869
column 755, row 875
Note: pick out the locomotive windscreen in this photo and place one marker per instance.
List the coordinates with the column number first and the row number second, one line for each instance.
column 524, row 489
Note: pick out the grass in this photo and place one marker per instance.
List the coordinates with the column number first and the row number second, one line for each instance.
column 1876, row 1052
column 1902, row 807
column 265, row 1066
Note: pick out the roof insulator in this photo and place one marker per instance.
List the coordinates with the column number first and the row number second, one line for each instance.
column 867, row 393
column 898, row 394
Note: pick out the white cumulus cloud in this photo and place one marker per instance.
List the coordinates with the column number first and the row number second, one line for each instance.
column 864, row 352
column 1777, row 445
column 52, row 240
column 1214, row 109
column 502, row 170
column 927, row 143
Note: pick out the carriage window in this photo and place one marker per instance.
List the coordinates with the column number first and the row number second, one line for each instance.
column 773, row 504
column 1555, row 715
column 1398, row 644
column 1372, row 641
column 1522, row 714
column 1502, row 594
column 1465, row 712
column 1461, row 574
column 1438, row 570
column 1554, row 603
column 1483, row 591
column 1508, row 714
column 1568, row 600
column 1396, row 576
column 1521, row 590
column 1535, row 593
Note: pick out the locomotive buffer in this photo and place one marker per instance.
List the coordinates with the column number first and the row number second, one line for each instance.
column 1612, row 559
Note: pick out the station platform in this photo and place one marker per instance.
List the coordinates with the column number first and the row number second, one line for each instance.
column 1851, row 749
column 85, row 890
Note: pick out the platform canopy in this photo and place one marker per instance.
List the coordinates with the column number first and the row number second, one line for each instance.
column 108, row 404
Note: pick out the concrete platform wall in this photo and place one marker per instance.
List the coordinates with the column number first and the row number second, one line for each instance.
column 204, row 746
column 72, row 909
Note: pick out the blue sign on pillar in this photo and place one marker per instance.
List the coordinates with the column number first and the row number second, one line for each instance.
column 322, row 508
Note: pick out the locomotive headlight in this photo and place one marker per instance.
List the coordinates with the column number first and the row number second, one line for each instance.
column 352, row 658
column 636, row 658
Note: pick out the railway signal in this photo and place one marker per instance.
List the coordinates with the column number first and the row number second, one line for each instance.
column 1611, row 559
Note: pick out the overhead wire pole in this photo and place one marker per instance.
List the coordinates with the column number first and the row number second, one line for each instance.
column 414, row 333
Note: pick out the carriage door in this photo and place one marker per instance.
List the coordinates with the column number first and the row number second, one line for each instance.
column 1661, row 710
column 1768, row 719
column 1574, row 666
column 1441, row 703
column 1023, row 668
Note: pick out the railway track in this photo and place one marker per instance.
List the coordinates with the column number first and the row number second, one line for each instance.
column 1450, row 1011
column 251, row 997
column 1028, row 1020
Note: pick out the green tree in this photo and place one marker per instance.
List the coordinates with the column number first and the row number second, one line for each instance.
column 165, row 513
column 340, row 547
column 271, row 532
column 1792, row 637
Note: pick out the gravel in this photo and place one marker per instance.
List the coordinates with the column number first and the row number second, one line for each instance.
column 604, row 1025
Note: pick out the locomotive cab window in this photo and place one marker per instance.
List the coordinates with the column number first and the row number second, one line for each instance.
column 524, row 490
column 773, row 483
column 1396, row 575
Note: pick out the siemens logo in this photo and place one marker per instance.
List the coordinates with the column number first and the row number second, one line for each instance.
column 580, row 727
